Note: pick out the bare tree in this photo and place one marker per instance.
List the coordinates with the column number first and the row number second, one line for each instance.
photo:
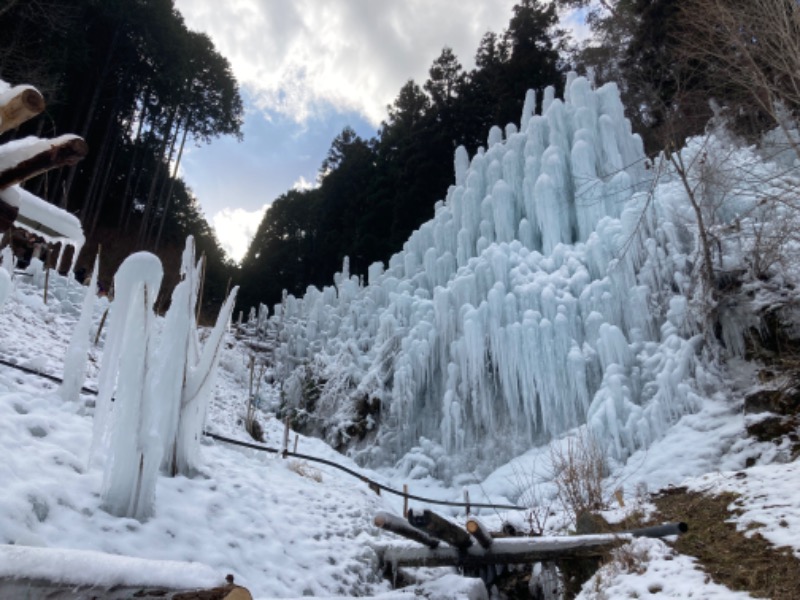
column 752, row 45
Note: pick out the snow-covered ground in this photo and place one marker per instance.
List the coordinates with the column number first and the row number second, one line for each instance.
column 285, row 528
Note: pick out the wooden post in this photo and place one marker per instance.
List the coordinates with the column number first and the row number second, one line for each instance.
column 296, row 439
column 405, row 500
column 286, row 437
column 46, row 282
column 440, row 528
column 202, row 284
column 466, row 500
column 395, row 524
column 100, row 327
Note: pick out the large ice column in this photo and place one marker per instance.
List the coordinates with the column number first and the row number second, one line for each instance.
column 131, row 425
column 77, row 356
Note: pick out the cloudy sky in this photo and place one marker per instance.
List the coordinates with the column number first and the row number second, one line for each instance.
column 308, row 68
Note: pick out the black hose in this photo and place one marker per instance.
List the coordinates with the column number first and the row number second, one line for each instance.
column 349, row 471
column 285, row 453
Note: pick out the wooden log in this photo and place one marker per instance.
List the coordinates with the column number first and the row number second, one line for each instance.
column 63, row 151
column 440, row 528
column 19, row 104
column 504, row 551
column 479, row 532
column 395, row 524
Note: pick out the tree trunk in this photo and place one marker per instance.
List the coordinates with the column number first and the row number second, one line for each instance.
column 123, row 209
column 99, row 161
column 102, row 194
column 171, row 185
column 90, row 112
column 148, row 209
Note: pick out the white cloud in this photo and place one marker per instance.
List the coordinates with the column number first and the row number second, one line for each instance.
column 235, row 228
column 304, row 184
column 300, row 57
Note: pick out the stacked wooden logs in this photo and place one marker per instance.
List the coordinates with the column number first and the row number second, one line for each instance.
column 21, row 160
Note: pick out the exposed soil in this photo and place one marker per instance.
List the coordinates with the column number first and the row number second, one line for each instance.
column 741, row 562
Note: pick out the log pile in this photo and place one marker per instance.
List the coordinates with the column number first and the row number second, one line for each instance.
column 475, row 547
column 24, row 159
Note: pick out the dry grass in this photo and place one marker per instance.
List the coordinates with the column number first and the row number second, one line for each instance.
column 579, row 467
column 745, row 563
column 303, row 469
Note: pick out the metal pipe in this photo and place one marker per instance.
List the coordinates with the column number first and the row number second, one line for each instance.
column 659, row 531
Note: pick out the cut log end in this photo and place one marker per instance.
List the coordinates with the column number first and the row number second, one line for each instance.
column 19, row 106
column 33, row 101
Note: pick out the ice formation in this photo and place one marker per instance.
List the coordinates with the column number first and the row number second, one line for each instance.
column 154, row 386
column 130, row 420
column 185, row 370
column 531, row 303
column 77, row 355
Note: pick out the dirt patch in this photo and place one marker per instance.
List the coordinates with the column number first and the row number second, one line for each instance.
column 744, row 563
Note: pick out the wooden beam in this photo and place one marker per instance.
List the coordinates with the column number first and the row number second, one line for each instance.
column 395, row 524
column 504, row 551
column 440, row 528
column 64, row 151
column 19, row 104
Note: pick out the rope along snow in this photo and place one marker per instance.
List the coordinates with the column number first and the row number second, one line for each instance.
column 286, row 453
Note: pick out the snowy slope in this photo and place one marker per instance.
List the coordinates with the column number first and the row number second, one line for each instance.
column 280, row 533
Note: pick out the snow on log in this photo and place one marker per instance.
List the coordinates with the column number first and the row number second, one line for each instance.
column 98, row 570
column 26, row 158
column 397, row 525
column 44, row 218
column 504, row 551
column 18, row 104
column 440, row 528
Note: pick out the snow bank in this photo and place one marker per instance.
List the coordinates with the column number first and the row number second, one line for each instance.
column 100, row 570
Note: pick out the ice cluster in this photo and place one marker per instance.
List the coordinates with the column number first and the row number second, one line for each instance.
column 548, row 291
column 155, row 383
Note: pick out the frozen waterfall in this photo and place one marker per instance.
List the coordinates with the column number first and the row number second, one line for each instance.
column 524, row 308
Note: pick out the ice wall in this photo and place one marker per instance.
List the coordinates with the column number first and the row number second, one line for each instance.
column 526, row 306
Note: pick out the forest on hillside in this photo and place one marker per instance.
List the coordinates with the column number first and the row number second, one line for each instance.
column 131, row 79
column 668, row 57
